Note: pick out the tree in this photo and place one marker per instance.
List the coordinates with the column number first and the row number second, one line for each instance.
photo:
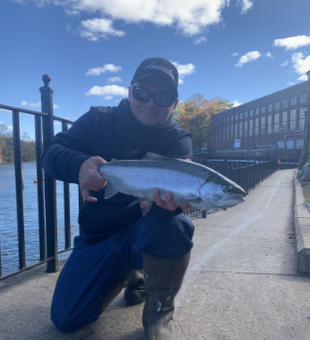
column 195, row 115
column 28, row 150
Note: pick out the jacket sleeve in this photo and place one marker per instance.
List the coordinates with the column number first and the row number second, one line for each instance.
column 63, row 158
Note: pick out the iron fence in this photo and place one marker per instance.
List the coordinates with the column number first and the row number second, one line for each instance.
column 46, row 190
column 246, row 174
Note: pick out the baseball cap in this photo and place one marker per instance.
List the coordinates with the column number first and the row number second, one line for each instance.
column 158, row 67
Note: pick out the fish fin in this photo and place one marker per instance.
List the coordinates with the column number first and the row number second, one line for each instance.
column 110, row 191
column 152, row 156
column 145, row 206
column 134, row 203
column 197, row 200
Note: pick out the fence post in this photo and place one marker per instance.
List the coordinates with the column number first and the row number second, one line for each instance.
column 50, row 188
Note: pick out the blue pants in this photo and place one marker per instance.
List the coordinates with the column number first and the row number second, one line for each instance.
column 92, row 269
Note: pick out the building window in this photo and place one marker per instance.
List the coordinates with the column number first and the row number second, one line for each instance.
column 246, row 128
column 257, row 111
column 256, row 131
column 240, row 129
column 276, row 122
column 293, row 120
column 227, row 132
column 241, row 115
column 227, row 119
column 224, row 132
column 284, row 103
column 246, row 114
column 302, row 113
column 269, row 107
column 263, row 109
column 299, row 143
column 276, row 105
column 269, row 123
column 251, row 113
column 262, row 125
column 236, row 130
column 293, row 101
column 231, row 131
column 236, row 116
column 251, row 128
column 303, row 98
column 232, row 118
column 284, row 121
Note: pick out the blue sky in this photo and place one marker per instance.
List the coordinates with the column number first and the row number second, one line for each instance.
column 238, row 50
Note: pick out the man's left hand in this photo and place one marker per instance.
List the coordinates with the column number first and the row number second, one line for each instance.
column 169, row 202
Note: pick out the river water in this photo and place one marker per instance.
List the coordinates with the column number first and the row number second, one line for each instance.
column 8, row 216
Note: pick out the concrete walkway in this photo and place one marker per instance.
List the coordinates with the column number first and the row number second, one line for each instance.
column 242, row 283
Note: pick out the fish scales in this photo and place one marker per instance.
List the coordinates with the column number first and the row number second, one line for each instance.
column 140, row 178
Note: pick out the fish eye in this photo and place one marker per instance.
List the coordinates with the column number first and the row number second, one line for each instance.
column 229, row 189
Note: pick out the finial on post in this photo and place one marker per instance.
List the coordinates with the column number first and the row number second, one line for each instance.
column 46, row 79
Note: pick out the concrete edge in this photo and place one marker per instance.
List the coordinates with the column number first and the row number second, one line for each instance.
column 302, row 229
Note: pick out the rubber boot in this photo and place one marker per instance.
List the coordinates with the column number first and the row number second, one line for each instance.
column 132, row 279
column 163, row 281
column 135, row 291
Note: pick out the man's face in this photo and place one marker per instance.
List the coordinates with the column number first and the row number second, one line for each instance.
column 149, row 114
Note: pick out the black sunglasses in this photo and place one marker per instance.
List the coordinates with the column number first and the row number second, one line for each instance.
column 160, row 99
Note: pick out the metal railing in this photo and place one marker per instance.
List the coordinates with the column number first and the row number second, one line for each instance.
column 246, row 174
column 46, row 190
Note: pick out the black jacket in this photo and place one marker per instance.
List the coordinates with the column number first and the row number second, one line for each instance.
column 111, row 132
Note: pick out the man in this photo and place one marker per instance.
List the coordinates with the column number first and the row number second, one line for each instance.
column 116, row 241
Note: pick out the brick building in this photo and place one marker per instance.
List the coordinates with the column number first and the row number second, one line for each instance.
column 276, row 120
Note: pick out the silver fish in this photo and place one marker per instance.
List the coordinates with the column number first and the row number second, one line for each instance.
column 190, row 183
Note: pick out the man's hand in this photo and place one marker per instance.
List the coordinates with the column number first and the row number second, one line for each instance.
column 169, row 203
column 89, row 177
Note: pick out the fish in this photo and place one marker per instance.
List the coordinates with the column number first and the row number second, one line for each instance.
column 189, row 182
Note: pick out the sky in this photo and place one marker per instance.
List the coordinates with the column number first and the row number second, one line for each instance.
column 238, row 50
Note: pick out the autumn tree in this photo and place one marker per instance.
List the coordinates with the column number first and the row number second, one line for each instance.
column 195, row 115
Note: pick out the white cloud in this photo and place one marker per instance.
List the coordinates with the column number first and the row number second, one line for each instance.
column 94, row 29
column 246, row 5
column 236, row 103
column 235, row 54
column 25, row 103
column 269, row 55
column 105, row 68
column 246, row 58
column 292, row 43
column 284, row 64
column 184, row 70
column 107, row 97
column 56, row 123
column 301, row 64
column 290, row 83
column 188, row 17
column 200, row 40
column 114, row 80
column 10, row 128
column 108, row 90
column 302, row 78
column 38, row 104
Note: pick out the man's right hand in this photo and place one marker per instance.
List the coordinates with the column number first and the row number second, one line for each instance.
column 89, row 177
